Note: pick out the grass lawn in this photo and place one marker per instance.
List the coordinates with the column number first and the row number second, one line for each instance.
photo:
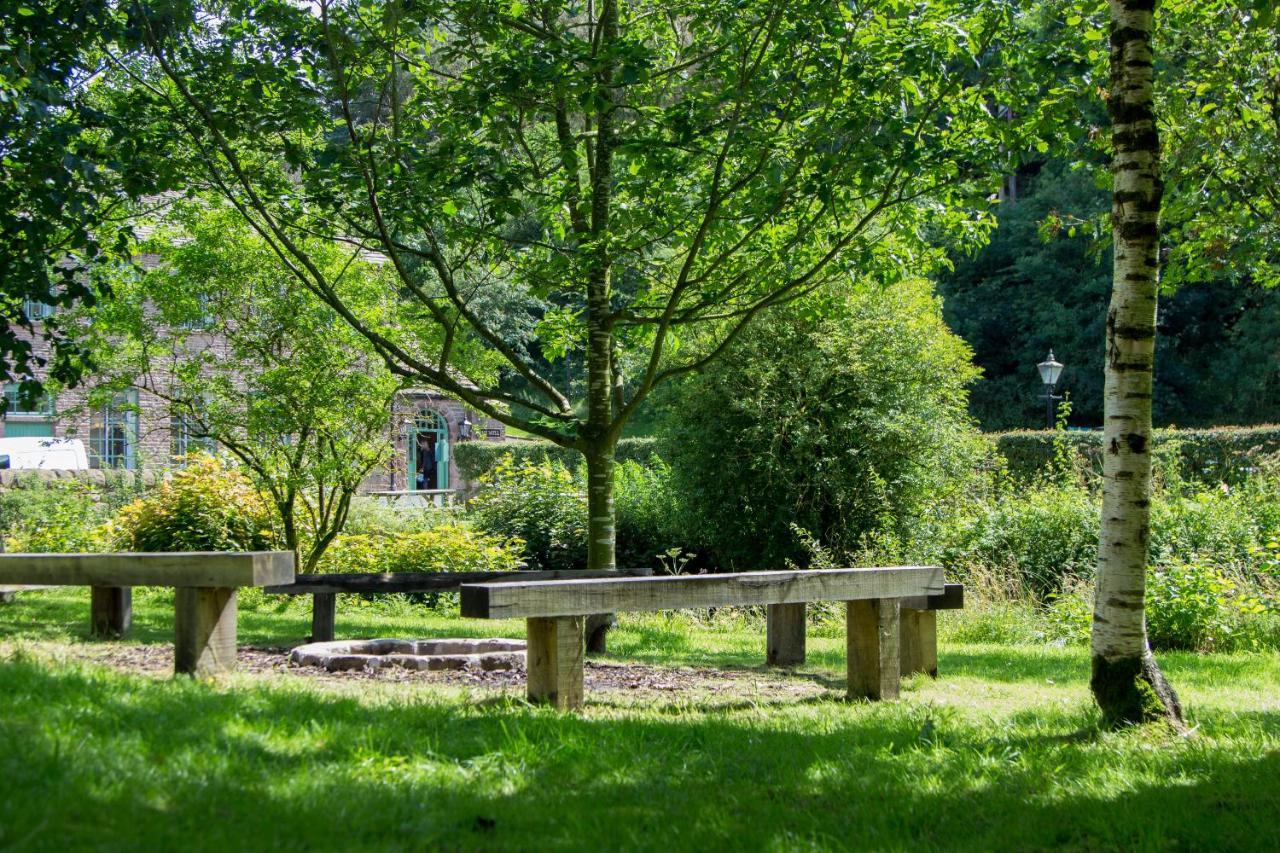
column 1001, row 752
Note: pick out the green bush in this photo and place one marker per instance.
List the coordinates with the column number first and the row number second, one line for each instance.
column 65, row 516
column 540, row 503
column 450, row 546
column 478, row 458
column 368, row 515
column 844, row 415
column 1037, row 539
column 202, row 507
column 1220, row 455
column 1190, row 606
column 647, row 517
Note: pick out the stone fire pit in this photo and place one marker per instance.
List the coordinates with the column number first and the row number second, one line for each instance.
column 411, row 654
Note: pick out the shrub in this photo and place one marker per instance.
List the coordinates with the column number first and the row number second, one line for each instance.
column 450, row 546
column 475, row 459
column 540, row 503
column 1220, row 455
column 844, row 414
column 647, row 517
column 1039, row 538
column 65, row 516
column 203, row 507
column 368, row 515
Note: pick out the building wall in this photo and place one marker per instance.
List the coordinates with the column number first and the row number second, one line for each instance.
column 72, row 417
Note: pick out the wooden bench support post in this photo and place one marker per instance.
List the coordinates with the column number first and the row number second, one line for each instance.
column 872, row 647
column 324, row 613
column 205, row 631
column 110, row 610
column 555, row 661
column 784, row 633
column 597, row 632
column 919, row 642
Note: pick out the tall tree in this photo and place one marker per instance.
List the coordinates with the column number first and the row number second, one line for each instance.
column 250, row 362
column 655, row 175
column 67, row 169
column 1127, row 682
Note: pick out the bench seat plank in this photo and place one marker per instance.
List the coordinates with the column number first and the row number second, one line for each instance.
column 188, row 569
column 544, row 599
column 386, row 582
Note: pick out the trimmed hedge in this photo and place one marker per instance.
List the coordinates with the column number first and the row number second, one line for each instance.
column 1217, row 455
column 477, row 458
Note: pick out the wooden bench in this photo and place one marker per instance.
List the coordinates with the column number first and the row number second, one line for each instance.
column 918, row 639
column 205, row 582
column 555, row 610
column 324, row 589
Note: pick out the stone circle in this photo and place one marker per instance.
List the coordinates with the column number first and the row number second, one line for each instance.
column 342, row 655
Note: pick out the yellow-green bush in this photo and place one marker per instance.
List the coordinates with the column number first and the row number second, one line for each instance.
column 447, row 547
column 206, row 506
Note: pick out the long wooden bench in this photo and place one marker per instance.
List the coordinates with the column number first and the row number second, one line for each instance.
column 205, row 583
column 324, row 589
column 555, row 610
column 918, row 638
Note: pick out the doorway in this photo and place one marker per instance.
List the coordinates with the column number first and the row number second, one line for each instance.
column 428, row 452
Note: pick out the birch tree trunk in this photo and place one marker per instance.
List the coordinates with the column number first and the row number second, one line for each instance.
column 1126, row 682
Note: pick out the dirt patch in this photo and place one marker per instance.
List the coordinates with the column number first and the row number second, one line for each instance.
column 600, row 677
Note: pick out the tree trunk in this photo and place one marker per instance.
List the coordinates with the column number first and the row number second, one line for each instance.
column 1126, row 682
column 601, row 534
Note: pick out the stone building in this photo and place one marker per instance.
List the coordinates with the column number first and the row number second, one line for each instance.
column 137, row 431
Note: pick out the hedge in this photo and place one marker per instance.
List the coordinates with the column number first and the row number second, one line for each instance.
column 477, row 458
column 1217, row 455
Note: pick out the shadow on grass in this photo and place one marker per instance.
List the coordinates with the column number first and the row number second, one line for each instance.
column 92, row 758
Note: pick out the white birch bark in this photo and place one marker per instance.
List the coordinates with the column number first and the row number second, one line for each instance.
column 1126, row 681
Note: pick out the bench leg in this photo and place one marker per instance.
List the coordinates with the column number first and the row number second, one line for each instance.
column 597, row 629
column 555, row 661
column 110, row 610
column 920, row 642
column 872, row 648
column 324, row 613
column 784, row 633
column 204, row 631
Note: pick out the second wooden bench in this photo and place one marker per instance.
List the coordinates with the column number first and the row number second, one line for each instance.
column 555, row 609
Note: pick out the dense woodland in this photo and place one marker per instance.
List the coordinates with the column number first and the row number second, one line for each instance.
column 1030, row 290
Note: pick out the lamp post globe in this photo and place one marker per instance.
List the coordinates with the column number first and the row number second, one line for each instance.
column 1050, row 369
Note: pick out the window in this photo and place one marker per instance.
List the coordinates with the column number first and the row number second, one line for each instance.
column 36, row 310
column 113, row 433
column 205, row 318
column 185, row 437
column 15, row 406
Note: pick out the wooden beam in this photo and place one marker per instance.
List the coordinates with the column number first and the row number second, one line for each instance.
column 919, row 642
column 583, row 597
column 951, row 598
column 380, row 582
column 204, row 631
column 784, row 634
column 191, row 569
column 110, row 611
column 554, row 661
column 872, row 647
column 324, row 613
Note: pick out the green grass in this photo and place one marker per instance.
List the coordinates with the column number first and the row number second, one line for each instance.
column 1000, row 753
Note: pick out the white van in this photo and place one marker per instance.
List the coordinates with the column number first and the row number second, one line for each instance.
column 63, row 454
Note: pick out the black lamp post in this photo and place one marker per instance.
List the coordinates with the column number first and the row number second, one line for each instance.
column 1050, row 370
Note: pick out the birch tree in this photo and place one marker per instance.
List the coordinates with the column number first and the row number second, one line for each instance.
column 1127, row 682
